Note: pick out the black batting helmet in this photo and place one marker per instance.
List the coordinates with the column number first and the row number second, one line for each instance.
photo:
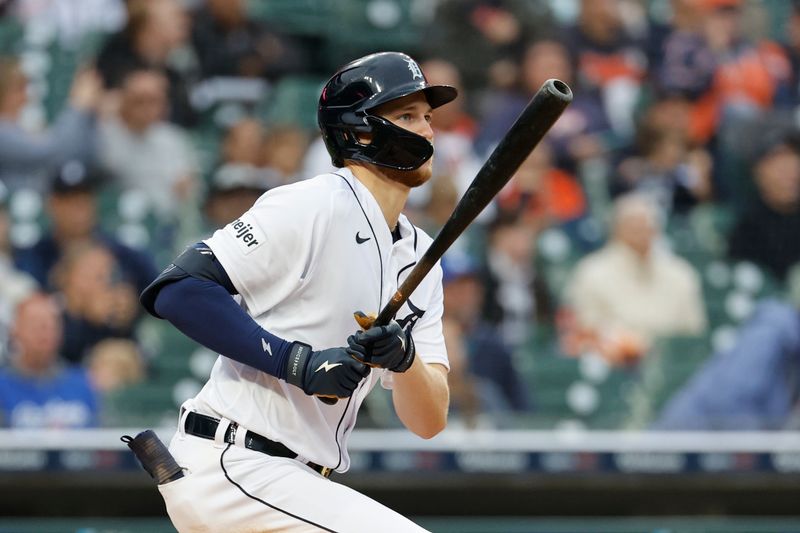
column 349, row 96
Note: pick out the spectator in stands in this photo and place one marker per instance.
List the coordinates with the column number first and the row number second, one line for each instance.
column 37, row 390
column 243, row 142
column 683, row 64
column 761, row 61
column 144, row 152
column 228, row 43
column 542, row 194
column 482, row 367
column 664, row 165
column 15, row 285
column 70, row 24
column 517, row 296
column 114, row 364
column 253, row 161
column 791, row 47
column 72, row 210
column 766, row 232
column 454, row 128
column 484, row 38
column 26, row 158
column 748, row 75
column 233, row 190
column 632, row 290
column 455, row 163
column 156, row 37
column 751, row 385
column 610, row 63
column 98, row 302
column 282, row 152
column 582, row 132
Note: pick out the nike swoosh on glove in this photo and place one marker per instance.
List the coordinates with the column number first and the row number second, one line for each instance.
column 386, row 347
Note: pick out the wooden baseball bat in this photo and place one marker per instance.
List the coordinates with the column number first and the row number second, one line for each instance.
column 532, row 124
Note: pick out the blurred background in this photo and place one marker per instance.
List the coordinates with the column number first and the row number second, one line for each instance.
column 622, row 322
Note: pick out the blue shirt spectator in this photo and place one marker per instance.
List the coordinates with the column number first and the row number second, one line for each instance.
column 36, row 389
column 749, row 386
column 64, row 399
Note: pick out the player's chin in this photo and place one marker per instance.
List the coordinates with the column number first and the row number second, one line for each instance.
column 416, row 177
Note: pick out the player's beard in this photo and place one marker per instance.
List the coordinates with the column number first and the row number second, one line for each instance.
column 411, row 178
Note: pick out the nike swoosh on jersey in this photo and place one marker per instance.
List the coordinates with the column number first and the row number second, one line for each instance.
column 360, row 239
column 266, row 346
column 327, row 366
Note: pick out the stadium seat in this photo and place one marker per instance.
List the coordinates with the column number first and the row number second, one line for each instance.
column 294, row 101
column 300, row 17
column 669, row 364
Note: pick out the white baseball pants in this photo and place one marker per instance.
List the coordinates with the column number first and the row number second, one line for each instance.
column 228, row 488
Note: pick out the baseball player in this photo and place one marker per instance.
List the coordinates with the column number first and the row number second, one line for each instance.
column 274, row 293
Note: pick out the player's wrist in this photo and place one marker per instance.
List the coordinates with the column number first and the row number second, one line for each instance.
column 299, row 353
column 409, row 355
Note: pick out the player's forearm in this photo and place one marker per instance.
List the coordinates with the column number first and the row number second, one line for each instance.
column 206, row 313
column 421, row 398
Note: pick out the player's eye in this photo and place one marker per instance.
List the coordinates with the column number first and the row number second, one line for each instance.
column 428, row 117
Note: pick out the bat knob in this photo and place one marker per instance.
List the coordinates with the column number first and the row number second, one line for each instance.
column 364, row 321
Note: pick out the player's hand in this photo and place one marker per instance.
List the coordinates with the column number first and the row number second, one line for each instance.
column 332, row 372
column 386, row 347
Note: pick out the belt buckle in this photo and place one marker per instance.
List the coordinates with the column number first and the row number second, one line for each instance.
column 325, row 471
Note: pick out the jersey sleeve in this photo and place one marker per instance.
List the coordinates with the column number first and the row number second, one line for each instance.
column 267, row 252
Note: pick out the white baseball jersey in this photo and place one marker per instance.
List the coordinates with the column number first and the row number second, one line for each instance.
column 303, row 259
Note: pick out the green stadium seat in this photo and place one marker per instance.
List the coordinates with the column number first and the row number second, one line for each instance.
column 141, row 405
column 294, row 101
column 670, row 364
column 300, row 17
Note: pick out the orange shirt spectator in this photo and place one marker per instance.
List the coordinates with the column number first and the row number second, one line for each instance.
column 542, row 192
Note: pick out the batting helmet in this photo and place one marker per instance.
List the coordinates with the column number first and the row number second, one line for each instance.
column 348, row 98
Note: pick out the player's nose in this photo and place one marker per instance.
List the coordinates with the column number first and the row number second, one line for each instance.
column 426, row 130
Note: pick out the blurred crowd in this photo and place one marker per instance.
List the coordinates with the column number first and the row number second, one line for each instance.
column 672, row 178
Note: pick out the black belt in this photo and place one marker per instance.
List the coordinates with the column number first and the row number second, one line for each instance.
column 205, row 427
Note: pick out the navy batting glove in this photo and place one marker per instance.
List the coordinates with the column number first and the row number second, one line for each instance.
column 386, row 347
column 331, row 372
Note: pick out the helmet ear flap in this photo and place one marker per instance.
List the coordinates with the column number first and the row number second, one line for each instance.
column 342, row 143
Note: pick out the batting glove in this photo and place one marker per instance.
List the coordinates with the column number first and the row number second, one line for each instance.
column 386, row 347
column 331, row 372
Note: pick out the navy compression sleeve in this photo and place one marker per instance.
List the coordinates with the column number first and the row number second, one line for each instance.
column 205, row 312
